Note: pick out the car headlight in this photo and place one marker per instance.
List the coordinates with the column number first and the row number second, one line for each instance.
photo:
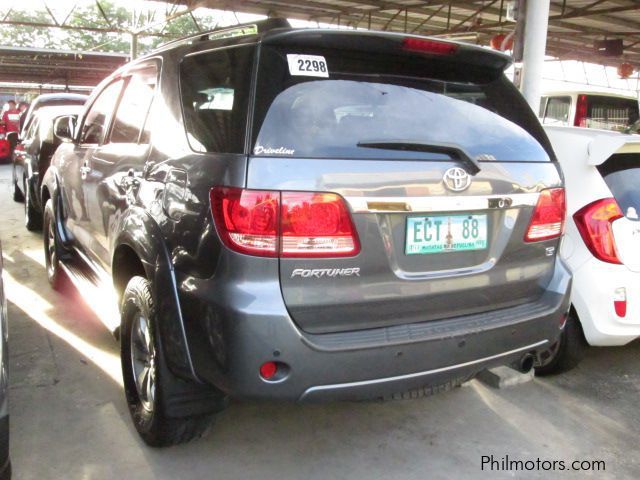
column 2, row 136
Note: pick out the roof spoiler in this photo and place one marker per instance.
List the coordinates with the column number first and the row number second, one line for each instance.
column 392, row 43
column 603, row 146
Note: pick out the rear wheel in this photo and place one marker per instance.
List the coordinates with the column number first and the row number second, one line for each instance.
column 32, row 216
column 52, row 249
column 143, row 369
column 567, row 352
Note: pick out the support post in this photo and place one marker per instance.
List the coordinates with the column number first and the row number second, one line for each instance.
column 134, row 46
column 535, row 43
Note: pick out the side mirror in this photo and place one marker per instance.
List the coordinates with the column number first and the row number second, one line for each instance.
column 64, row 128
column 13, row 139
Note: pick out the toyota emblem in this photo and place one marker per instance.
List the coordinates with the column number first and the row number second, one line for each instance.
column 456, row 179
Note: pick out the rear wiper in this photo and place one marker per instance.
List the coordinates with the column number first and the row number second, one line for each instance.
column 455, row 152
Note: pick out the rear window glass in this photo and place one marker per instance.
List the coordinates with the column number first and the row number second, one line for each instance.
column 621, row 172
column 215, row 98
column 610, row 113
column 371, row 99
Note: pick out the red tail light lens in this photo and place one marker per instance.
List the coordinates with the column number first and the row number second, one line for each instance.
column 581, row 112
column 594, row 224
column 547, row 220
column 429, row 46
column 247, row 220
column 316, row 225
column 289, row 224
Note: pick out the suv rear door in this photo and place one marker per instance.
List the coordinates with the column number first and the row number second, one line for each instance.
column 382, row 127
column 117, row 164
column 75, row 164
column 382, row 124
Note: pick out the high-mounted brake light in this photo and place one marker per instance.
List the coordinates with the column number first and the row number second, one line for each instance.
column 594, row 224
column 581, row 112
column 547, row 220
column 288, row 224
column 429, row 46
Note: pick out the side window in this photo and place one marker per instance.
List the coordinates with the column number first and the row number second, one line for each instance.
column 33, row 128
column 134, row 107
column 557, row 111
column 215, row 93
column 95, row 122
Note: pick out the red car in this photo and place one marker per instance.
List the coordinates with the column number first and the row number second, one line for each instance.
column 5, row 147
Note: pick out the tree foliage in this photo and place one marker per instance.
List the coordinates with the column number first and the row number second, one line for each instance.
column 85, row 17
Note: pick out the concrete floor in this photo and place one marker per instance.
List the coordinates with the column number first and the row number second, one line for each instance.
column 69, row 419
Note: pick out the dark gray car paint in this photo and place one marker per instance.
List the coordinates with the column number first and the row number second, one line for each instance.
column 231, row 315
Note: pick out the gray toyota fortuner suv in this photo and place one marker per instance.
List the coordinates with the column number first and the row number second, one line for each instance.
column 309, row 215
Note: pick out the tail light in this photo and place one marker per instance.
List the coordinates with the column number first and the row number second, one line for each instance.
column 594, row 224
column 287, row 224
column 547, row 220
column 429, row 46
column 620, row 301
column 581, row 112
column 247, row 219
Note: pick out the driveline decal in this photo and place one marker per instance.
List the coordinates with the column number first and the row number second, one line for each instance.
column 260, row 150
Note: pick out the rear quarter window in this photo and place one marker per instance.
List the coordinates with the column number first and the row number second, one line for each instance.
column 214, row 88
column 557, row 111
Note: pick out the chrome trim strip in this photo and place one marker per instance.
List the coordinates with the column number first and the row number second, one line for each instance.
column 365, row 383
column 440, row 203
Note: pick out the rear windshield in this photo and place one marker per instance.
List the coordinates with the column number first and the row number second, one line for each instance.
column 610, row 113
column 621, row 172
column 363, row 99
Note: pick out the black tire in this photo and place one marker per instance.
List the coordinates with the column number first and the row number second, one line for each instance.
column 147, row 400
column 17, row 194
column 53, row 252
column 32, row 216
column 567, row 352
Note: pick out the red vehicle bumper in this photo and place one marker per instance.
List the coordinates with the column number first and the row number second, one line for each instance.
column 5, row 149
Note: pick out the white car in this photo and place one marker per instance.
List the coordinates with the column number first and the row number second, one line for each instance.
column 589, row 109
column 601, row 245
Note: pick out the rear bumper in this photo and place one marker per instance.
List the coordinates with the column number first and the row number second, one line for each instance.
column 592, row 297
column 361, row 364
column 5, row 149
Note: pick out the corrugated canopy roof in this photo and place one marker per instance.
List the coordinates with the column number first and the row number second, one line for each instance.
column 574, row 25
column 44, row 66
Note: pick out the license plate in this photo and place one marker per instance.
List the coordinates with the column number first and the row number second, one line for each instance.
column 446, row 233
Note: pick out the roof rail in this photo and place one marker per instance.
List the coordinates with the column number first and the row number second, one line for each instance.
column 242, row 29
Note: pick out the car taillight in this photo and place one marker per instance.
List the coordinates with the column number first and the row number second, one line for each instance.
column 289, row 224
column 594, row 224
column 428, row 46
column 247, row 220
column 547, row 220
column 316, row 225
column 620, row 301
column 581, row 112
